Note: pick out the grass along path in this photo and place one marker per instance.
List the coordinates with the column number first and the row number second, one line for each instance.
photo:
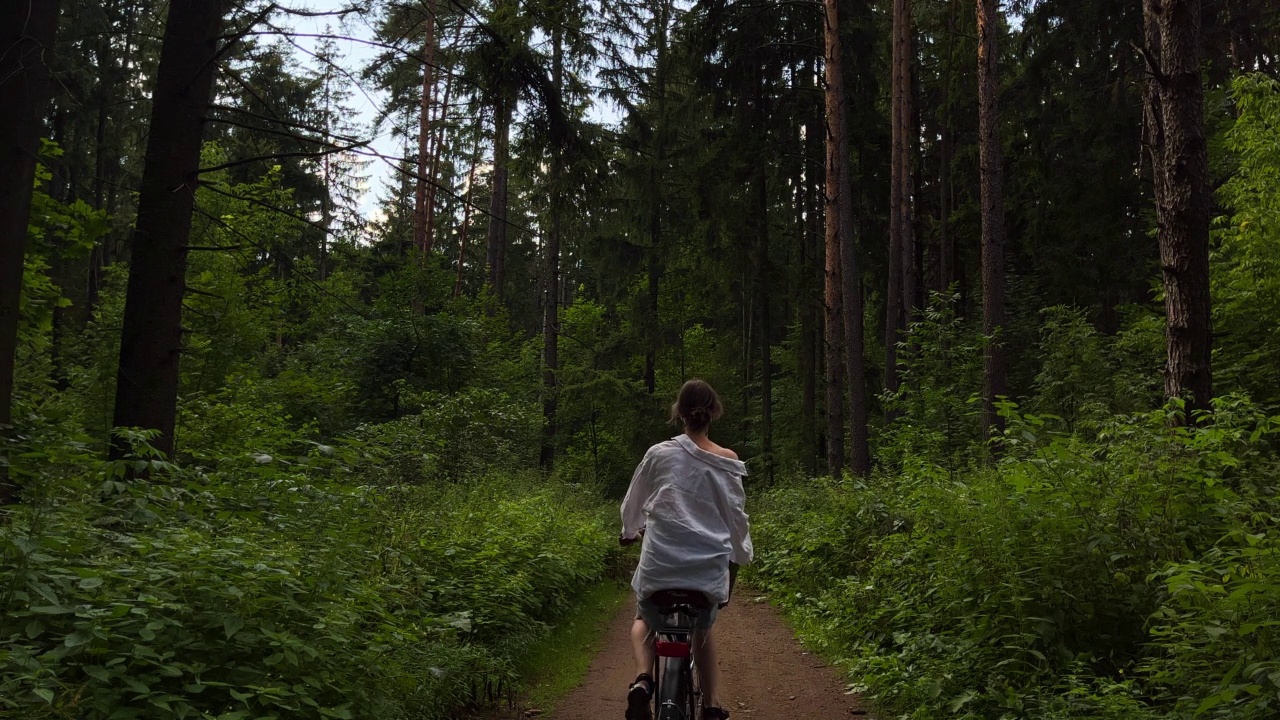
column 560, row 662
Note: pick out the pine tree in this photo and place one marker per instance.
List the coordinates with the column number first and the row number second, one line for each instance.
column 837, row 208
column 994, row 369
column 422, row 235
column 901, row 293
column 1175, row 138
column 26, row 35
column 152, row 338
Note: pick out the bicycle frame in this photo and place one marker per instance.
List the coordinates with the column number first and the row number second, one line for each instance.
column 676, row 694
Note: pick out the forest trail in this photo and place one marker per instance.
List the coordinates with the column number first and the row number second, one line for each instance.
column 767, row 675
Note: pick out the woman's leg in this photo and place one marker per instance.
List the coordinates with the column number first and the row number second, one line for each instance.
column 642, row 645
column 704, row 652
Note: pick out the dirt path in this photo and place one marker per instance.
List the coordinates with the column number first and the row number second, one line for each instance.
column 766, row 674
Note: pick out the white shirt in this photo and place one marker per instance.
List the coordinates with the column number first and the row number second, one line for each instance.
column 691, row 504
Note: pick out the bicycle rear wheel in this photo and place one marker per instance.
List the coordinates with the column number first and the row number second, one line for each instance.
column 672, row 700
column 695, row 692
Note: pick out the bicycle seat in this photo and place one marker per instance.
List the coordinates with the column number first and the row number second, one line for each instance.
column 686, row 598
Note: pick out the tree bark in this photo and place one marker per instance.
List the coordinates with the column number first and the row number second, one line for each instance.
column 657, row 173
column 103, row 96
column 810, row 209
column 994, row 383
column 653, row 330
column 437, row 153
column 1175, row 138
column 838, row 211
column 946, row 242
column 421, row 231
column 497, row 254
column 466, row 212
column 840, row 222
column 901, row 237
column 151, row 340
column 855, row 364
column 765, row 303
column 326, row 173
column 27, row 32
column 551, row 304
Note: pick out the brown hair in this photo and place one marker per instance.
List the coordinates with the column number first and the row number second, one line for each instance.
column 696, row 406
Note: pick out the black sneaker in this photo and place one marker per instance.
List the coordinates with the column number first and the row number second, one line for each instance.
column 714, row 713
column 638, row 699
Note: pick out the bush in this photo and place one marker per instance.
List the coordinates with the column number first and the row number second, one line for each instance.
column 280, row 588
column 1024, row 590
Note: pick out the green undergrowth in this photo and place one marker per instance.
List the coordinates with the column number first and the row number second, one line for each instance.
column 281, row 586
column 1125, row 572
column 558, row 663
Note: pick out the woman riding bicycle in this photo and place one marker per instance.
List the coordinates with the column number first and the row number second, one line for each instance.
column 686, row 497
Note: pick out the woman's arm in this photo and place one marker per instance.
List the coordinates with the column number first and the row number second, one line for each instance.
column 739, row 523
column 637, row 495
column 733, row 580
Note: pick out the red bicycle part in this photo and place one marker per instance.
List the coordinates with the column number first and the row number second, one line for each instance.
column 672, row 649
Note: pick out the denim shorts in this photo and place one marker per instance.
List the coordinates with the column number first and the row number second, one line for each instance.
column 648, row 611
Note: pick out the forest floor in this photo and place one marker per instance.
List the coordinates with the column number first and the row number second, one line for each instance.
column 766, row 674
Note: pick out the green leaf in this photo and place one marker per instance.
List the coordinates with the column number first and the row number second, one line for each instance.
column 90, row 583
column 51, row 610
column 78, row 638
column 232, row 625
column 45, row 694
column 1213, row 701
column 962, row 699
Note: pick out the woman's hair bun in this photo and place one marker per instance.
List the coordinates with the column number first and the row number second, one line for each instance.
column 697, row 406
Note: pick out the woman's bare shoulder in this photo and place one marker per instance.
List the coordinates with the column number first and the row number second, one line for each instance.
column 724, row 452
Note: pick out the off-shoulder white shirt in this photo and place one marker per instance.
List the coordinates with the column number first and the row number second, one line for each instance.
column 691, row 504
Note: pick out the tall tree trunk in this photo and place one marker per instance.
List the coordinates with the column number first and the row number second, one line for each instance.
column 26, row 37
column 839, row 213
column 946, row 241
column 1175, row 138
column 840, row 224
column 105, row 87
column 551, row 305
column 437, row 154
column 657, row 173
column 497, row 255
column 151, row 340
column 765, row 303
column 421, row 231
column 914, row 290
column 901, row 246
column 466, row 212
column 326, row 172
column 652, row 294
column 808, row 213
column 855, row 363
column 992, row 190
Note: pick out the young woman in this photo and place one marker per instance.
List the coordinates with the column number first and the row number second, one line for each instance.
column 686, row 498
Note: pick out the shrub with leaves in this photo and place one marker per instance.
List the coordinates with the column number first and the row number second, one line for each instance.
column 1101, row 577
column 280, row 587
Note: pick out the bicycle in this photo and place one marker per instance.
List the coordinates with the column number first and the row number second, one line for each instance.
column 676, row 693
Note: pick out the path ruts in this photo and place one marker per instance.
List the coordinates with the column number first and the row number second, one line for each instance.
column 765, row 672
